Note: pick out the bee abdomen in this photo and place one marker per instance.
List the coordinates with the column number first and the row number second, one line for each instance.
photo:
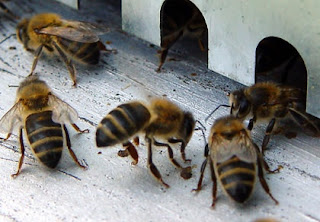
column 121, row 124
column 237, row 178
column 45, row 138
column 86, row 52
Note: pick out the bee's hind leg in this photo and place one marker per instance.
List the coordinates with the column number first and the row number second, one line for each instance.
column 73, row 155
column 68, row 62
column 36, row 58
column 22, row 154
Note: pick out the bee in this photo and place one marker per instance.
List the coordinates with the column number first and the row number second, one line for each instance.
column 42, row 116
column 161, row 119
column 71, row 40
column 180, row 18
column 272, row 103
column 234, row 161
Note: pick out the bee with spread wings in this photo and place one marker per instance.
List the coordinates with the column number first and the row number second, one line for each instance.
column 43, row 116
column 71, row 40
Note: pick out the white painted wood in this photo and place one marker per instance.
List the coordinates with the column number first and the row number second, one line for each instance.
column 235, row 28
column 112, row 189
column 72, row 3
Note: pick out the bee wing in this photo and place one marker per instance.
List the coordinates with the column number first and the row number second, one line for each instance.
column 62, row 112
column 309, row 124
column 70, row 33
column 11, row 119
column 87, row 26
column 75, row 31
column 241, row 147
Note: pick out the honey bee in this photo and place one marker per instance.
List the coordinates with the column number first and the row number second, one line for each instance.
column 234, row 160
column 71, row 40
column 272, row 103
column 180, row 18
column 43, row 116
column 161, row 119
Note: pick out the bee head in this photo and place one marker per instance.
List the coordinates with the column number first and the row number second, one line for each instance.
column 33, row 93
column 240, row 105
column 227, row 128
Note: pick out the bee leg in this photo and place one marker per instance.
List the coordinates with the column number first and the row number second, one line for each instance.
column 136, row 141
column 73, row 155
column 78, row 129
column 214, row 185
column 251, row 122
column 186, row 172
column 265, row 165
column 7, row 137
column 72, row 73
column 266, row 137
column 267, row 168
column 22, row 154
column 262, row 180
column 203, row 168
column 165, row 48
column 182, row 148
column 36, row 58
column 129, row 147
column 163, row 56
column 155, row 172
column 68, row 63
column 201, row 45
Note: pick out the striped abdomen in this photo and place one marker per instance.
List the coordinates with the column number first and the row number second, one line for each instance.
column 88, row 53
column 237, row 178
column 45, row 137
column 122, row 123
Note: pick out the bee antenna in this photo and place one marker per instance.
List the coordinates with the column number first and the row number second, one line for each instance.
column 202, row 128
column 223, row 105
column 6, row 38
column 200, row 123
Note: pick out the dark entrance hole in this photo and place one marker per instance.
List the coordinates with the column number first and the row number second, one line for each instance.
column 278, row 61
column 181, row 18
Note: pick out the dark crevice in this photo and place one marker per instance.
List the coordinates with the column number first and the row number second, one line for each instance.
column 278, row 61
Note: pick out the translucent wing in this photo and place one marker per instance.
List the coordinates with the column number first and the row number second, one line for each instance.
column 70, row 33
column 75, row 31
column 62, row 112
column 87, row 26
column 240, row 146
column 309, row 124
column 11, row 119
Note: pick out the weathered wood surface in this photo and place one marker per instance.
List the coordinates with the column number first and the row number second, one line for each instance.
column 112, row 189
